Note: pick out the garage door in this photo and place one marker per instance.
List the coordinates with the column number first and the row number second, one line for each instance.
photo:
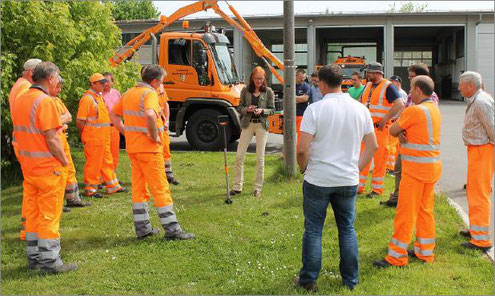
column 486, row 55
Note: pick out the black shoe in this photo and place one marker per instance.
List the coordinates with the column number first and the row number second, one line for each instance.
column 154, row 231
column 101, row 186
column 234, row 192
column 372, row 194
column 182, row 235
column 471, row 246
column 464, row 187
column 257, row 193
column 96, row 195
column 411, row 254
column 65, row 209
column 122, row 190
column 66, row 267
column 34, row 266
column 310, row 287
column 77, row 204
column 465, row 233
column 173, row 181
column 382, row 263
column 389, row 203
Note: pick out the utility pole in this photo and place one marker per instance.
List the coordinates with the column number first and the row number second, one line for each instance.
column 289, row 91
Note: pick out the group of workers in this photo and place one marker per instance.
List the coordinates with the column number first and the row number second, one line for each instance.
column 141, row 114
column 40, row 126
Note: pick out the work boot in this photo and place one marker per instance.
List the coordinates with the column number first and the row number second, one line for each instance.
column 234, row 192
column 96, row 195
column 77, row 203
column 35, row 266
column 154, row 231
column 389, row 203
column 411, row 254
column 372, row 194
column 122, row 190
column 309, row 287
column 465, row 233
column 173, row 181
column 66, row 267
column 472, row 246
column 181, row 235
column 65, row 209
column 382, row 263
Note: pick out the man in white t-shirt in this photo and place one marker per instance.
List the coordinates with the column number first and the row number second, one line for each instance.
column 328, row 154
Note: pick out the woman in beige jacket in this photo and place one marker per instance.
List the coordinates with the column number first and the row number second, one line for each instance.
column 256, row 105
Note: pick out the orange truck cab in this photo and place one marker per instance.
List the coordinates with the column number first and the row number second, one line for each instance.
column 350, row 65
column 201, row 83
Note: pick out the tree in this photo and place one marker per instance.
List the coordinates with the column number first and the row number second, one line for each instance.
column 134, row 10
column 408, row 7
column 78, row 36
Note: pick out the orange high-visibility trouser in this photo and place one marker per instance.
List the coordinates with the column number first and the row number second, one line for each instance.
column 379, row 164
column 44, row 197
column 166, row 146
column 115, row 146
column 147, row 169
column 298, row 127
column 478, row 190
column 415, row 207
column 393, row 149
column 99, row 162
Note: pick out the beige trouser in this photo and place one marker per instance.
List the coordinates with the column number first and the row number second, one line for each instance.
column 246, row 136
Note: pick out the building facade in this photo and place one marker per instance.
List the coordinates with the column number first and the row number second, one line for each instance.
column 448, row 42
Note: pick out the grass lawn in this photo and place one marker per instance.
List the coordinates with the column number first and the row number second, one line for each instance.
column 250, row 247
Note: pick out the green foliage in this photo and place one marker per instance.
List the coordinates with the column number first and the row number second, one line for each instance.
column 408, row 7
column 251, row 247
column 134, row 10
column 78, row 36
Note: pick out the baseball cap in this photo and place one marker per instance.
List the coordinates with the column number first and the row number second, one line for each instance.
column 396, row 78
column 374, row 67
column 31, row 64
column 97, row 77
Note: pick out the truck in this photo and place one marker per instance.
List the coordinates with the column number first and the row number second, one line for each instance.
column 349, row 65
column 202, row 80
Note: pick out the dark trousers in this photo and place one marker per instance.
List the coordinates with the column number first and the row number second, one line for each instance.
column 394, row 197
column 343, row 201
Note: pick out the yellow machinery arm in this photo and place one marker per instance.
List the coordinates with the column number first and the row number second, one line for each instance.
column 248, row 33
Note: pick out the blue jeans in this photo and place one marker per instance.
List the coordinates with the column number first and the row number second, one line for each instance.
column 343, row 201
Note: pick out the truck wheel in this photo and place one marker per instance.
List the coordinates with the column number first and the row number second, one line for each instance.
column 203, row 131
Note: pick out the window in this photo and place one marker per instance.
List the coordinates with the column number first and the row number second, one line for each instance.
column 409, row 58
column 300, row 56
column 200, row 62
column 336, row 50
column 179, row 52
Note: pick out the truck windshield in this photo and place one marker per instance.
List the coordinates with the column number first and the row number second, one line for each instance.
column 348, row 70
column 224, row 63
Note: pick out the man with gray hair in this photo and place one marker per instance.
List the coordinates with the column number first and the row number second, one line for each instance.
column 478, row 136
column 21, row 86
column 44, row 167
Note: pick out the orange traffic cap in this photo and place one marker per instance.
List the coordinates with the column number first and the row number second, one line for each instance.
column 97, row 77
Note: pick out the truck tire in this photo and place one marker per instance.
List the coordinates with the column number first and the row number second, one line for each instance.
column 203, row 131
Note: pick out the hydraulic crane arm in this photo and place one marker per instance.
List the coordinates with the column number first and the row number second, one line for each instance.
column 248, row 33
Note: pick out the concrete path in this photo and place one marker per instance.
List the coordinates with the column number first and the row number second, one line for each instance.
column 453, row 155
column 454, row 158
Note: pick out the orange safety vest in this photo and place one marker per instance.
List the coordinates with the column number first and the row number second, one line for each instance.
column 20, row 86
column 135, row 127
column 377, row 103
column 98, row 120
column 34, row 155
column 421, row 154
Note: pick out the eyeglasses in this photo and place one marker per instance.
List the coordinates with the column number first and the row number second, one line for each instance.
column 259, row 79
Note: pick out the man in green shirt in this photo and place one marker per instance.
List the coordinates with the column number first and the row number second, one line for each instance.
column 357, row 90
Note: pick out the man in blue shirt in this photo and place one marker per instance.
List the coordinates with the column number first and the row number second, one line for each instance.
column 314, row 92
column 302, row 97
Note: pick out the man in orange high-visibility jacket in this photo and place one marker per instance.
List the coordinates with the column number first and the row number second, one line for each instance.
column 72, row 187
column 141, row 112
column 418, row 128
column 21, row 86
column 163, row 101
column 383, row 100
column 478, row 136
column 93, row 121
column 36, row 124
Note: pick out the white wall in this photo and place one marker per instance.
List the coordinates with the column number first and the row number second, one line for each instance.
column 485, row 48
